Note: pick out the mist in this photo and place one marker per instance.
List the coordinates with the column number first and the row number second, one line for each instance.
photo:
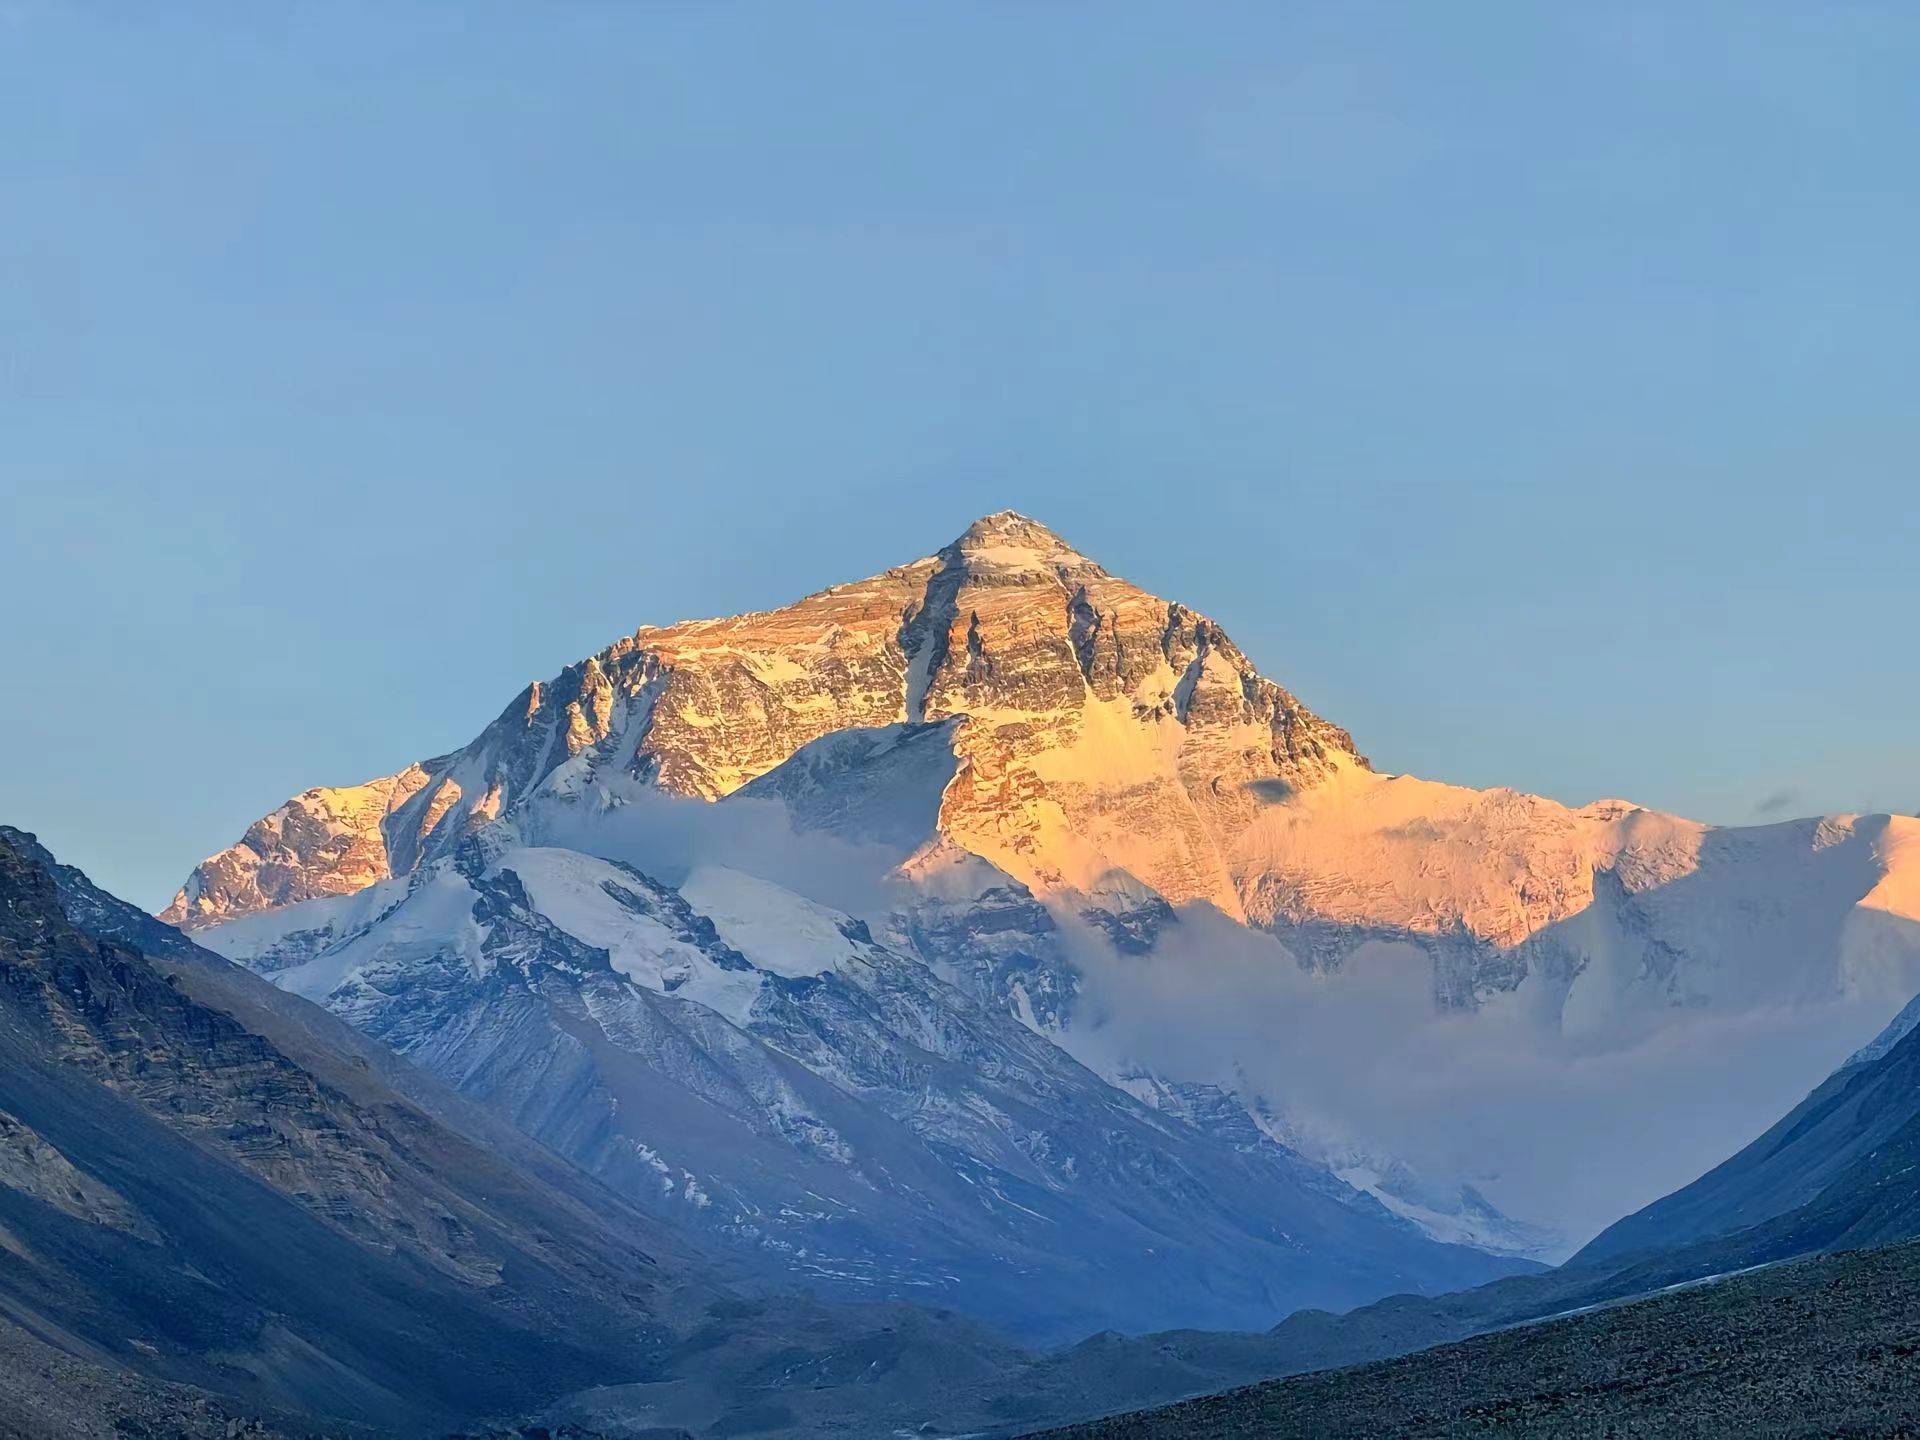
column 669, row 837
column 1360, row 1058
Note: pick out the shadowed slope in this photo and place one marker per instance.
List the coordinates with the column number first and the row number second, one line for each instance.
column 254, row 1230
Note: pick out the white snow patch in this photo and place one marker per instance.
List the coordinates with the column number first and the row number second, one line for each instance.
column 773, row 927
column 569, row 888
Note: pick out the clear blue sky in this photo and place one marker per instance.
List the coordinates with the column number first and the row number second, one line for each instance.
column 1531, row 388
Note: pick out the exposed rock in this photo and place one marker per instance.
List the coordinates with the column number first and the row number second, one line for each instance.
column 33, row 1167
column 324, row 841
column 179, row 1196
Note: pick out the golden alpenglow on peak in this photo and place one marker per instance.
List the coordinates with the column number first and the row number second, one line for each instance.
column 1102, row 728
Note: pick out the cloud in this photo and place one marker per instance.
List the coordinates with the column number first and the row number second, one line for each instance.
column 668, row 837
column 1777, row 801
column 1550, row 1132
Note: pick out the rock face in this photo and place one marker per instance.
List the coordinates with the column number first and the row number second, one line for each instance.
column 1080, row 735
column 324, row 841
column 1098, row 728
column 1610, row 906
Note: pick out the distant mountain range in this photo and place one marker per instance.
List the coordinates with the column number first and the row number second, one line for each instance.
column 224, row 1211
column 753, row 1065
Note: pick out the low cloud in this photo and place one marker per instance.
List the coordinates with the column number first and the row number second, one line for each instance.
column 1497, row 1097
column 668, row 838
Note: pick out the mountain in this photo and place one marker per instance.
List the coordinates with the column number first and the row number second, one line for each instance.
column 736, row 1058
column 180, row 1197
column 325, row 841
column 1836, row 1172
column 1840, row 1171
column 1081, row 805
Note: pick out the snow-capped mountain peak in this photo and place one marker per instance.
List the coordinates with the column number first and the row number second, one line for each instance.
column 1101, row 728
column 1082, row 807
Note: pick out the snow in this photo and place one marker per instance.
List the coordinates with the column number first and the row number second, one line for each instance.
column 1898, row 890
column 333, row 940
column 311, row 923
column 1396, row 851
column 1010, row 557
column 570, row 889
column 775, row 928
column 1670, row 989
column 433, row 916
column 879, row 786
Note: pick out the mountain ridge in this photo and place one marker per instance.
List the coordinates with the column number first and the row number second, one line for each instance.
column 239, row 1204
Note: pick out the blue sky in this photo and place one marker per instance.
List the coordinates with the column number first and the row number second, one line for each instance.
column 1528, row 387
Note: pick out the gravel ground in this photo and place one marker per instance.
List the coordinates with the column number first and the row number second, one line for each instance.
column 47, row 1395
column 1828, row 1346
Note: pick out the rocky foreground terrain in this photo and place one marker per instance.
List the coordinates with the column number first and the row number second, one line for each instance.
column 1828, row 1346
column 45, row 1393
